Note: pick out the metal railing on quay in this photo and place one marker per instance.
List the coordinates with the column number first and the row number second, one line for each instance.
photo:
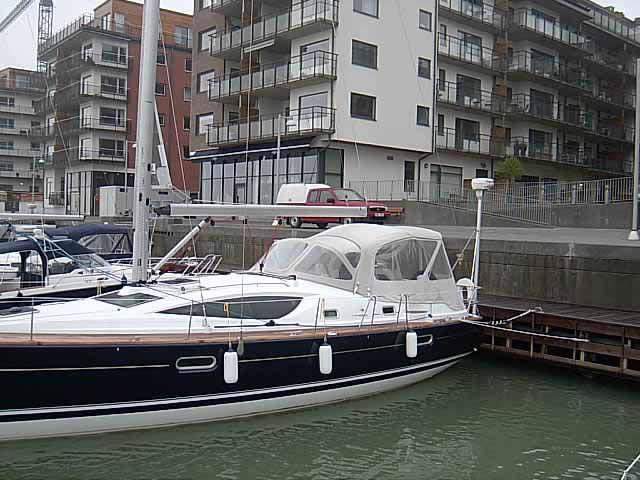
column 532, row 21
column 298, row 15
column 297, row 122
column 480, row 12
column 301, row 67
column 504, row 197
column 466, row 51
column 456, row 94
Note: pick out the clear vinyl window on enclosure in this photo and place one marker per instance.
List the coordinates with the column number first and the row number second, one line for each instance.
column 404, row 259
column 322, row 262
column 282, row 254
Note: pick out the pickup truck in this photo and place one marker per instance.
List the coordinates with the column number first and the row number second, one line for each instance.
column 325, row 195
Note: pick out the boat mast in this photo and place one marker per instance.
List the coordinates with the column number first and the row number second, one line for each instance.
column 144, row 140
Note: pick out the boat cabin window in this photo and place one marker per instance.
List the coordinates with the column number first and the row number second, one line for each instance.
column 255, row 308
column 107, row 243
column 322, row 262
column 404, row 259
column 126, row 301
column 282, row 254
column 441, row 268
column 348, row 248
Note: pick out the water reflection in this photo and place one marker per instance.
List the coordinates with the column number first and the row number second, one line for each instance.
column 480, row 420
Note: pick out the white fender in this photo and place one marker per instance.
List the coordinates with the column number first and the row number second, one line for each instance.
column 230, row 367
column 412, row 344
column 326, row 359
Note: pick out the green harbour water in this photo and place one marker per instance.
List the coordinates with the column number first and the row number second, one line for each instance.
column 482, row 419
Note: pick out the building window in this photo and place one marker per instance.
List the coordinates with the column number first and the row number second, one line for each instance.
column 443, row 35
column 188, row 64
column 111, row 148
column 363, row 106
column 442, row 79
column 113, row 117
column 205, row 4
column 186, row 123
column 368, row 7
column 424, row 67
column 425, row 20
column 423, row 116
column 7, row 123
column 183, row 36
column 440, row 124
column 85, row 148
column 162, row 119
column 203, row 80
column 161, row 89
column 105, row 22
column 114, row 54
column 203, row 122
column 7, row 102
column 161, row 59
column 6, row 166
column 187, row 94
column 204, row 39
column 364, row 54
column 112, row 85
column 6, row 145
column 186, row 151
column 35, row 147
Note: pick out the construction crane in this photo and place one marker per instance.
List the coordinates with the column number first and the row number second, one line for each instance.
column 45, row 21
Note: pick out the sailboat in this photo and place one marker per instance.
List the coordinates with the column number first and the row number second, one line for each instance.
column 352, row 311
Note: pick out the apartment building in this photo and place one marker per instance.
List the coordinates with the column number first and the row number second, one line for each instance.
column 551, row 82
column 21, row 152
column 315, row 91
column 90, row 107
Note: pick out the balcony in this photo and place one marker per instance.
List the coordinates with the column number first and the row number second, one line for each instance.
column 20, row 152
column 21, row 173
column 550, row 112
column 528, row 25
column 92, row 24
column 32, row 84
column 22, row 132
column 78, row 92
column 468, row 142
column 616, row 25
column 56, row 199
column 75, row 154
column 17, row 109
column 615, row 64
column 521, row 147
column 304, row 122
column 73, row 65
column 616, row 132
column 275, row 79
column 76, row 125
column 474, row 13
column 469, row 53
column 299, row 19
column 461, row 97
column 566, row 77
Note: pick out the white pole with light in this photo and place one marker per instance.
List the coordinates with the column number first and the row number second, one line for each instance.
column 479, row 185
column 633, row 235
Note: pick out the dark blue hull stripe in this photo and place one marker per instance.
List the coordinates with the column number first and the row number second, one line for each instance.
column 219, row 399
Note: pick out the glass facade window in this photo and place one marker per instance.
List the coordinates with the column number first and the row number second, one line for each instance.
column 258, row 178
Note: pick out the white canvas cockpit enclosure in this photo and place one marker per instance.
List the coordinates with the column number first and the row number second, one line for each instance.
column 383, row 261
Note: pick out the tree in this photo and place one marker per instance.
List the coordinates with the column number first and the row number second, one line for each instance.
column 510, row 170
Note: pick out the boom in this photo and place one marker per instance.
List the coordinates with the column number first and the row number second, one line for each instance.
column 15, row 13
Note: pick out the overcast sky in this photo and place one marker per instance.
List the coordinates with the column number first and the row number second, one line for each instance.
column 18, row 45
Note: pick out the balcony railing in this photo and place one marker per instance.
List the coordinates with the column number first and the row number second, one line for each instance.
column 302, row 67
column 611, row 59
column 465, row 51
column 34, row 83
column 467, row 142
column 89, row 22
column 480, row 12
column 551, row 69
column 73, row 64
column 306, row 121
column 528, row 20
column 525, row 104
column 75, row 124
column 295, row 17
column 20, row 152
column 21, row 173
column 56, row 199
column 111, row 92
column 77, row 154
column 23, row 132
column 455, row 94
column 615, row 24
column 625, row 134
column 18, row 109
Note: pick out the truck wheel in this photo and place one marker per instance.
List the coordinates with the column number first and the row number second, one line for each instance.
column 295, row 222
column 322, row 225
column 347, row 221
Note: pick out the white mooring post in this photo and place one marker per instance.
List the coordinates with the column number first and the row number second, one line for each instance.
column 479, row 185
column 144, row 139
column 633, row 235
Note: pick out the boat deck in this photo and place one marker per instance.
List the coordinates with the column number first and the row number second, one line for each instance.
column 266, row 334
